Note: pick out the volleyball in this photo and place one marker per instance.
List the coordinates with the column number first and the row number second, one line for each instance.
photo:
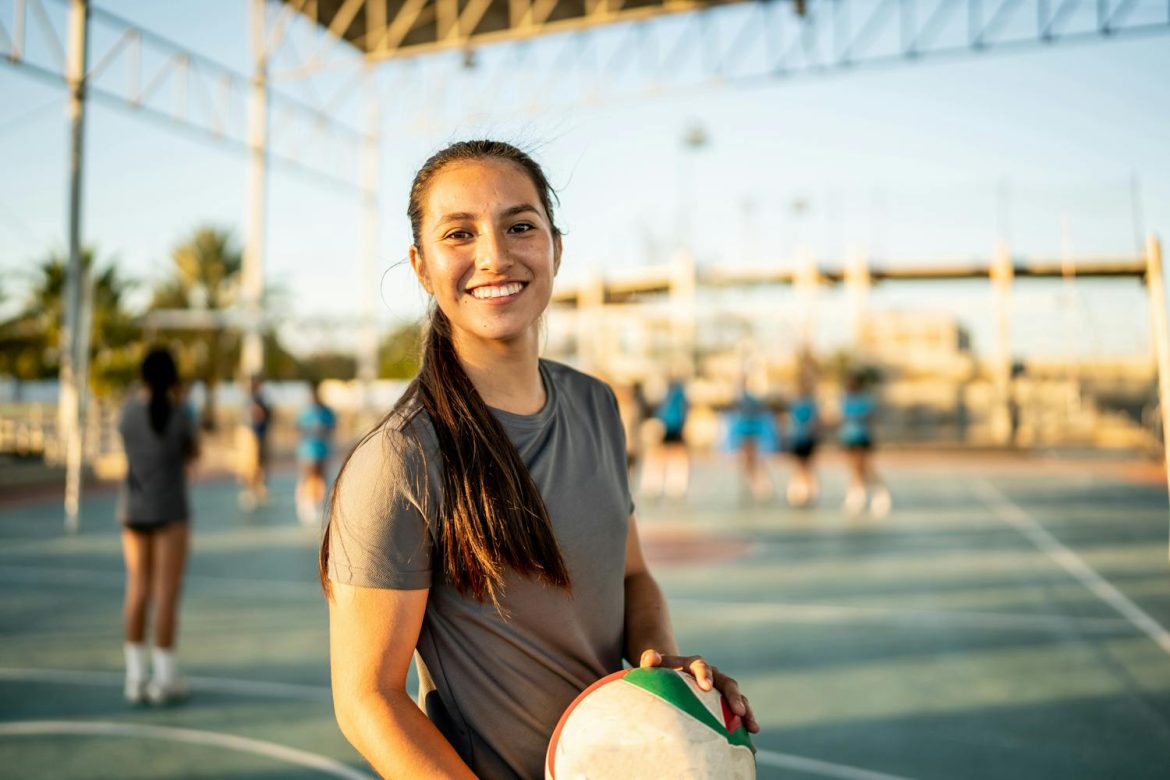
column 649, row 723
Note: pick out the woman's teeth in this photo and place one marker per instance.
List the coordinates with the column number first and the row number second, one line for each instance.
column 497, row 291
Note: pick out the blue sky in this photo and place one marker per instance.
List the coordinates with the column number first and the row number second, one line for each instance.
column 914, row 163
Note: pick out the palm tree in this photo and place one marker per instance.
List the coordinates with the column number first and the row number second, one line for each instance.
column 206, row 278
column 32, row 338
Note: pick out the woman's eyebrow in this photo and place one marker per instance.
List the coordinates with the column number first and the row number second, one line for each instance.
column 519, row 209
column 459, row 216
column 466, row 216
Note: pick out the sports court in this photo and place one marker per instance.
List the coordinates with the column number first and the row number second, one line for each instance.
column 1007, row 620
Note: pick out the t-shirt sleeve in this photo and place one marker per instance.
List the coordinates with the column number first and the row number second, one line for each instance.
column 378, row 536
column 619, row 432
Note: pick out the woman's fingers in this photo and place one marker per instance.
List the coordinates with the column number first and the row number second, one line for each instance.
column 703, row 672
column 749, row 717
column 650, row 658
column 708, row 677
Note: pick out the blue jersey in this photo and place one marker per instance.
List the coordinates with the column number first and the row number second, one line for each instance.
column 802, row 420
column 316, row 425
column 673, row 409
column 856, row 410
column 752, row 420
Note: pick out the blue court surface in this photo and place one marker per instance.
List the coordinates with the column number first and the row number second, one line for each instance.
column 1007, row 620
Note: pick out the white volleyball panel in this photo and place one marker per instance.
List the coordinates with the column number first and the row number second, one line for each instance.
column 623, row 732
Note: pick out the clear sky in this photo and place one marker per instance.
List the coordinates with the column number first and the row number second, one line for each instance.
column 938, row 159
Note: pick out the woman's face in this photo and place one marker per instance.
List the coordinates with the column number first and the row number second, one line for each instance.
column 486, row 250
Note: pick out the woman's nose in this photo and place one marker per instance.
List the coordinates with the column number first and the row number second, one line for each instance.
column 492, row 253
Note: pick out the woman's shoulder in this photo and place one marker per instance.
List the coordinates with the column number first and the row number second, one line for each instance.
column 400, row 442
column 134, row 405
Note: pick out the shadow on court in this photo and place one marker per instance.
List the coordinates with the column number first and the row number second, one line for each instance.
column 1007, row 620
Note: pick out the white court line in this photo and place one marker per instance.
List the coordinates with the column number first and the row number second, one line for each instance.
column 31, row 728
column 844, row 613
column 815, row 767
column 272, row 690
column 1013, row 515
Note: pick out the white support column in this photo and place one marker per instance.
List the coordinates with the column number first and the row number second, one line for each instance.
column 684, row 285
column 807, row 283
column 1002, row 278
column 74, row 346
column 590, row 318
column 857, row 284
column 252, row 354
column 1156, row 287
column 370, row 178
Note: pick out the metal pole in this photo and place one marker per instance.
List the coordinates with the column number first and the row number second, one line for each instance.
column 370, row 177
column 252, row 353
column 1156, row 286
column 73, row 345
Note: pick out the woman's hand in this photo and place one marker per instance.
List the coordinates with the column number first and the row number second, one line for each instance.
column 708, row 676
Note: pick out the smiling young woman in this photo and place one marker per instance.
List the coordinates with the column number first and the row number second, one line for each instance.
column 485, row 526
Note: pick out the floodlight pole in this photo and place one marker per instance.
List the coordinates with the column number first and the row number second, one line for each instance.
column 252, row 271
column 74, row 343
column 1156, row 287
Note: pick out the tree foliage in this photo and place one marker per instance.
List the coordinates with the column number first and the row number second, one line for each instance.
column 30, row 341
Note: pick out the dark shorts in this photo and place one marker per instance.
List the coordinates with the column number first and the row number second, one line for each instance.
column 672, row 437
column 149, row 527
column 859, row 445
column 804, row 448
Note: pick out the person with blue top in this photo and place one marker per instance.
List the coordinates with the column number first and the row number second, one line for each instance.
column 803, row 436
column 751, row 431
column 856, row 435
column 316, row 425
column 668, row 472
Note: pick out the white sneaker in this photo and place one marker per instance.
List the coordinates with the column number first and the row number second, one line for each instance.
column 159, row 692
column 247, row 501
column 881, row 504
column 134, row 691
column 855, row 501
column 307, row 512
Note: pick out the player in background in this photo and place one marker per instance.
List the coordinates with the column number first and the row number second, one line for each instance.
column 316, row 425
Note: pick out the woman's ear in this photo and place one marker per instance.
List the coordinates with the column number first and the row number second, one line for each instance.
column 420, row 268
column 556, row 253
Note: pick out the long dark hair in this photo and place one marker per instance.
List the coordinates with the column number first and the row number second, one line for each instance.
column 160, row 375
column 492, row 517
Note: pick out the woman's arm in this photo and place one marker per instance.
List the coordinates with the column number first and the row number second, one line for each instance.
column 372, row 636
column 647, row 618
column 650, row 639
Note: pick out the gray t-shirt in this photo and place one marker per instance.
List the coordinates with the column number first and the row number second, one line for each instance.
column 496, row 687
column 155, row 489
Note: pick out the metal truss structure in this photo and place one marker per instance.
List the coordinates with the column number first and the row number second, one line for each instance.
column 149, row 74
column 386, row 29
column 715, row 46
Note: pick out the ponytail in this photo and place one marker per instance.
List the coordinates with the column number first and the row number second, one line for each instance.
column 493, row 514
column 160, row 375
